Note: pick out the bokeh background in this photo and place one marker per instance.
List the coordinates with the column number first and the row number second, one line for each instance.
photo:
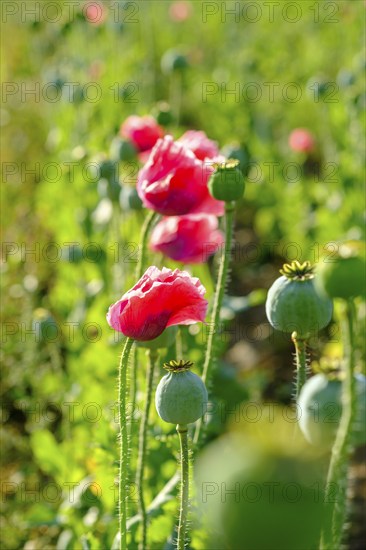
column 248, row 74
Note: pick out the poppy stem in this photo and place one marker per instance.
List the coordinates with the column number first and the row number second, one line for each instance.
column 337, row 473
column 153, row 357
column 184, row 485
column 133, row 387
column 300, row 362
column 123, row 466
column 219, row 295
column 148, row 223
column 149, row 220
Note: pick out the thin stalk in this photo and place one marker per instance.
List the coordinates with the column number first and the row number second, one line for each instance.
column 153, row 356
column 123, row 466
column 149, row 220
column 184, row 485
column 337, row 473
column 179, row 344
column 219, row 295
column 300, row 358
column 140, row 268
column 133, row 388
column 176, row 92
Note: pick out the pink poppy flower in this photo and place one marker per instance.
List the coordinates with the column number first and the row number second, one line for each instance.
column 160, row 299
column 180, row 10
column 189, row 239
column 200, row 144
column 301, row 140
column 173, row 182
column 95, row 13
column 143, row 131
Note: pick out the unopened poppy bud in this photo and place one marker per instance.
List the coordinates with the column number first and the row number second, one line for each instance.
column 227, row 182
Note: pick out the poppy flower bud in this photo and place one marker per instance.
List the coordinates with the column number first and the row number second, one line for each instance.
column 181, row 396
column 227, row 182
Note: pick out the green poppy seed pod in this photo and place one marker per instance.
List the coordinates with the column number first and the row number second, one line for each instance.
column 293, row 303
column 163, row 114
column 343, row 275
column 172, row 61
column 181, row 396
column 45, row 326
column 108, row 169
column 129, row 199
column 320, row 410
column 227, row 182
column 123, row 149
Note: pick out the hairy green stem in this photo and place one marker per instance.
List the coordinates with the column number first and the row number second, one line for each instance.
column 148, row 223
column 337, row 473
column 153, row 356
column 300, row 357
column 184, row 485
column 219, row 295
column 123, row 465
column 133, row 388
column 176, row 91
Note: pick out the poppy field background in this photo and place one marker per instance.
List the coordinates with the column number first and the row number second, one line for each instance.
column 71, row 242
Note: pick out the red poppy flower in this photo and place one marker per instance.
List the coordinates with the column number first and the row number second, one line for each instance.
column 180, row 10
column 160, row 299
column 143, row 131
column 301, row 140
column 190, row 239
column 200, row 144
column 95, row 13
column 173, row 182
